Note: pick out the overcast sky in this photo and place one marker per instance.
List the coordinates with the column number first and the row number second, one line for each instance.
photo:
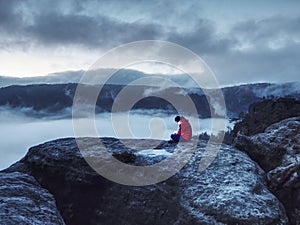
column 242, row 41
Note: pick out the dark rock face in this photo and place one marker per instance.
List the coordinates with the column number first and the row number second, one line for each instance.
column 277, row 151
column 265, row 113
column 232, row 190
column 23, row 201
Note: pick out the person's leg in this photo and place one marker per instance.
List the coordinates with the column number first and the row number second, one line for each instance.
column 175, row 137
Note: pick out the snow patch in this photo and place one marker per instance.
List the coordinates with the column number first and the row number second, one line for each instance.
column 154, row 152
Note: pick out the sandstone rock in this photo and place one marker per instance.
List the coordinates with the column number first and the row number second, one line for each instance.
column 277, row 151
column 231, row 190
column 23, row 201
column 265, row 113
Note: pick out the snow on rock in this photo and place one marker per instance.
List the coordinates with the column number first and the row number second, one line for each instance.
column 277, row 151
column 232, row 190
column 23, row 201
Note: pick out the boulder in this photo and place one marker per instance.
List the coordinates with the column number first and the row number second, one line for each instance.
column 24, row 201
column 265, row 113
column 277, row 151
column 232, row 190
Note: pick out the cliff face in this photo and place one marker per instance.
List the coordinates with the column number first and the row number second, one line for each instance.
column 24, row 201
column 232, row 190
column 264, row 113
column 277, row 151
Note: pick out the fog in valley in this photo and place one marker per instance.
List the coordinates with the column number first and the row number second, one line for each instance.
column 19, row 132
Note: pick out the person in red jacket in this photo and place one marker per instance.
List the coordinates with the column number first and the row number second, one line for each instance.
column 184, row 131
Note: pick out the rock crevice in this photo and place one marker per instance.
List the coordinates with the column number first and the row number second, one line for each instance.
column 24, row 201
column 277, row 151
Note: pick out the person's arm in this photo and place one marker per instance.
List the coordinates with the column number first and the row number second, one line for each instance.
column 179, row 130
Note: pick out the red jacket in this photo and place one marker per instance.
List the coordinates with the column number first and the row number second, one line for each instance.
column 185, row 129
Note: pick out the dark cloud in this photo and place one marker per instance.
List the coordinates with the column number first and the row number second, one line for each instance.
column 203, row 39
column 49, row 24
column 55, row 27
column 266, row 50
column 256, row 49
column 9, row 17
column 268, row 66
column 274, row 32
column 64, row 29
column 67, row 22
column 88, row 31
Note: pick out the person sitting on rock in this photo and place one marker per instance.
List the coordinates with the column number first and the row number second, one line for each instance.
column 184, row 132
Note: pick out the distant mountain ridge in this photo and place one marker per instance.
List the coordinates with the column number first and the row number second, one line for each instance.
column 119, row 77
column 57, row 99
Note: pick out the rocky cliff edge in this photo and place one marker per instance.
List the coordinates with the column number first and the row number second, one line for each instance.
column 232, row 190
